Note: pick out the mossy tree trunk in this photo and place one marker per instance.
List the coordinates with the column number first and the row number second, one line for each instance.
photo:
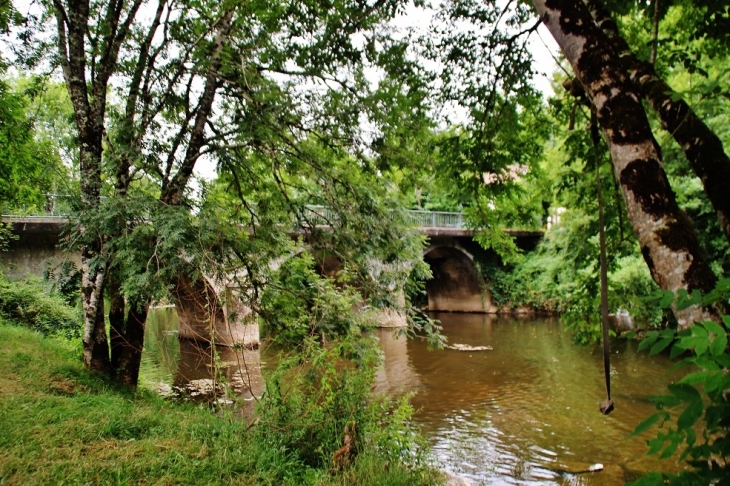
column 668, row 242
column 702, row 147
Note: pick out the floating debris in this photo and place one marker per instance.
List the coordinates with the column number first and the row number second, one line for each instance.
column 467, row 347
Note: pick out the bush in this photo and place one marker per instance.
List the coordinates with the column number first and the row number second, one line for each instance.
column 318, row 414
column 28, row 303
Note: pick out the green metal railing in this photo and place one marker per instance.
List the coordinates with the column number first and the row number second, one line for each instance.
column 322, row 215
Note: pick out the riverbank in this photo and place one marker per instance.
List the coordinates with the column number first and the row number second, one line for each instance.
column 60, row 423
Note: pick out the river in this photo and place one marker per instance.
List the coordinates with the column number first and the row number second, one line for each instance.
column 523, row 412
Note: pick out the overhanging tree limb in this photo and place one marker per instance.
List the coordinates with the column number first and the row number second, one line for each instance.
column 668, row 241
column 702, row 147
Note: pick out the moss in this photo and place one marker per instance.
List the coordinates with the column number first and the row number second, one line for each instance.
column 646, row 179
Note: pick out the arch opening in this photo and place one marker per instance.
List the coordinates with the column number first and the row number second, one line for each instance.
column 454, row 286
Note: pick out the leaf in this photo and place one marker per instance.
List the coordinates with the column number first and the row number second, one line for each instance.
column 723, row 360
column 687, row 342
column 650, row 339
column 706, row 363
column 723, row 284
column 696, row 378
column 713, row 382
column 660, row 345
column 662, row 401
column 668, row 332
column 718, row 345
column 726, row 320
column 701, row 347
column 714, row 328
column 691, row 438
column 646, row 424
column 655, row 445
column 682, row 299
column 667, row 299
column 676, row 351
column 699, row 331
column 690, row 415
column 684, row 392
column 670, row 450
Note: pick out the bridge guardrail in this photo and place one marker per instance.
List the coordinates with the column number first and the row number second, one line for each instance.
column 435, row 219
column 59, row 206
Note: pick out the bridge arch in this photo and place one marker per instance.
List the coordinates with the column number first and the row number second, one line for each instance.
column 455, row 285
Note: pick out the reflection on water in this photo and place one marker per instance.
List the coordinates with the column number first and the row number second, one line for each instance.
column 525, row 412
column 184, row 363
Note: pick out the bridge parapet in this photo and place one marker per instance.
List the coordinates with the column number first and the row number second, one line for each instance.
column 432, row 223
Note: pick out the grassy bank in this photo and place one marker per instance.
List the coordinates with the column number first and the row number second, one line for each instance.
column 60, row 424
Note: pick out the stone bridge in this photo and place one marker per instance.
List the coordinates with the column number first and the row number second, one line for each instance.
column 451, row 251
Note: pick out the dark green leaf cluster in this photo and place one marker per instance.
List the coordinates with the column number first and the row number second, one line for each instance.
column 695, row 416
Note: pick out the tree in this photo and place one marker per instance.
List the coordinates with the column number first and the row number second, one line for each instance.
column 236, row 83
column 702, row 147
column 668, row 242
column 30, row 163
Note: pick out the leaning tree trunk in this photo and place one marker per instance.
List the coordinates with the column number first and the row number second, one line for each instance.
column 702, row 147
column 668, row 241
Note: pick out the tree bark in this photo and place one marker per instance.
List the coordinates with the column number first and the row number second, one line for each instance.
column 72, row 20
column 702, row 147
column 668, row 242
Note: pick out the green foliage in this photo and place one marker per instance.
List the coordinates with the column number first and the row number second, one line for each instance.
column 65, row 280
column 694, row 416
column 28, row 303
column 317, row 394
column 30, row 165
column 6, row 235
column 299, row 304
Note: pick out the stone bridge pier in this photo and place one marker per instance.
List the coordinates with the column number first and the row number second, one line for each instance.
column 209, row 312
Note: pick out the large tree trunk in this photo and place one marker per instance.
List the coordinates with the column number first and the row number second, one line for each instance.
column 668, row 241
column 702, row 147
column 96, row 347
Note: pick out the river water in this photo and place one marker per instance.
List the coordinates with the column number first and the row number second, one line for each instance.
column 523, row 412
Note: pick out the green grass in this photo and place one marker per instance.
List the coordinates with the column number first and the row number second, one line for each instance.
column 60, row 424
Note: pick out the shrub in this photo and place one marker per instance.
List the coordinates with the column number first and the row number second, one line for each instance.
column 28, row 303
column 318, row 414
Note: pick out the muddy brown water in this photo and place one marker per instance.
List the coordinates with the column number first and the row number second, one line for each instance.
column 524, row 412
